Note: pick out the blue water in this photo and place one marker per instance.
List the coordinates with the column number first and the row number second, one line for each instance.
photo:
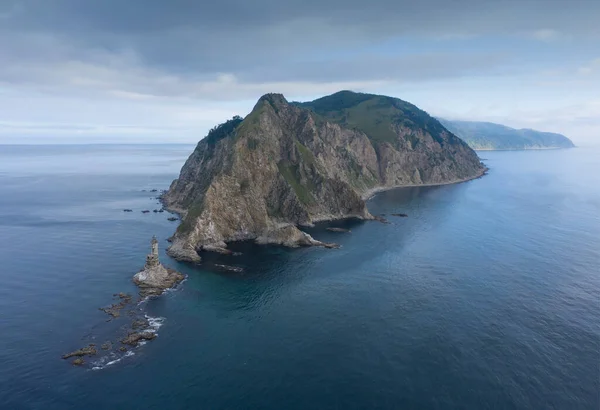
column 486, row 297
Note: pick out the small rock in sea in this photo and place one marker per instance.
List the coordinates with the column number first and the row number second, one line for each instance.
column 133, row 339
column 331, row 245
column 123, row 295
column 381, row 219
column 155, row 211
column 122, row 349
column 230, row 268
column 400, row 215
column 114, row 310
column 140, row 324
column 128, row 210
column 172, row 219
column 78, row 362
column 107, row 345
column 154, row 190
column 145, row 211
column 339, row 230
column 85, row 351
column 161, row 210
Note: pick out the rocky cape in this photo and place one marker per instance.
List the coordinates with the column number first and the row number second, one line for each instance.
column 288, row 165
column 489, row 136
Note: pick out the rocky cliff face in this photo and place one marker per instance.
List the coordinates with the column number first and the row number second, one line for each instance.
column 287, row 165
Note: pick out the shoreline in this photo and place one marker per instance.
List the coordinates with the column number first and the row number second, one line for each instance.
column 374, row 191
column 365, row 197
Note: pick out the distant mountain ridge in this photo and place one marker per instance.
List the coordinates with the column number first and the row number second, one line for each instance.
column 491, row 136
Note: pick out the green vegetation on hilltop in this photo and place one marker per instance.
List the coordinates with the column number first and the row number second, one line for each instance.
column 223, row 130
column 375, row 115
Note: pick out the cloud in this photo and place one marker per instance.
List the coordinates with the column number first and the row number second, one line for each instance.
column 590, row 68
column 546, row 34
column 188, row 64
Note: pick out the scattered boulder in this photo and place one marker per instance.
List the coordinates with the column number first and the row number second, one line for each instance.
column 341, row 230
column 84, row 351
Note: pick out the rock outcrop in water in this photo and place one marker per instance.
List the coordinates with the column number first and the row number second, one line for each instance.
column 154, row 279
column 292, row 164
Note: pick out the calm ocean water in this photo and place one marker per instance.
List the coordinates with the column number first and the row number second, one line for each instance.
column 486, row 297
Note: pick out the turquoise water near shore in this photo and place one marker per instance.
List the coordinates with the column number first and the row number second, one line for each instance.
column 487, row 296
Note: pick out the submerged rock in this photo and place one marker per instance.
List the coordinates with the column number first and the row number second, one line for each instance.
column 84, row 351
column 107, row 345
column 154, row 278
column 341, row 230
column 145, row 211
column 230, row 268
column 381, row 219
column 400, row 215
column 127, row 210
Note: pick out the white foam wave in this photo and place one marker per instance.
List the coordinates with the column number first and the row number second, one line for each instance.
column 155, row 323
column 102, row 363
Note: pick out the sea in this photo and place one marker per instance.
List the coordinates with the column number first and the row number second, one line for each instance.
column 487, row 296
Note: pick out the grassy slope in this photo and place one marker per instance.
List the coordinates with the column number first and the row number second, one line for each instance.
column 374, row 114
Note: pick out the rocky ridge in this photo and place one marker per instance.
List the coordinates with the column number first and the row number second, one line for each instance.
column 288, row 165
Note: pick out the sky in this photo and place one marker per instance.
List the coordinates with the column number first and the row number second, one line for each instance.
column 161, row 71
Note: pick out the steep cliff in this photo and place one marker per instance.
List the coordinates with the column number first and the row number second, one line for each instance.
column 291, row 164
column 490, row 136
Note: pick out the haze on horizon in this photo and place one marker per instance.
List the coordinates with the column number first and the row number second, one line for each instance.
column 167, row 71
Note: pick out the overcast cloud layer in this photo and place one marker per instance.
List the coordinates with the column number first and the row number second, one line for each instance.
column 160, row 71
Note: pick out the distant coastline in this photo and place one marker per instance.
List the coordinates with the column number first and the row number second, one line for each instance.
column 523, row 149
